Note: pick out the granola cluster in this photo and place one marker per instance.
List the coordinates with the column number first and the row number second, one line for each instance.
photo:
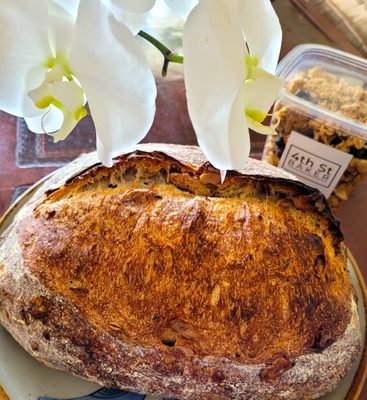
column 336, row 94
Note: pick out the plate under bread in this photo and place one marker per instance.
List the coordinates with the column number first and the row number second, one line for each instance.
column 22, row 377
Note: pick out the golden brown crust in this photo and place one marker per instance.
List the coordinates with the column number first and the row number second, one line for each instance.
column 159, row 255
column 191, row 279
column 3, row 395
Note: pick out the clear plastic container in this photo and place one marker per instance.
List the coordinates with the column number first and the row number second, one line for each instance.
column 324, row 98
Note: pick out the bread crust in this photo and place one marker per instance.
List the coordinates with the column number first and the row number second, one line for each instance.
column 172, row 320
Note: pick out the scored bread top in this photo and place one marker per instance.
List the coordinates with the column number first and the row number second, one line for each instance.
column 157, row 252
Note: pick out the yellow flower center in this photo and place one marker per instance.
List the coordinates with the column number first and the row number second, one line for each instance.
column 61, row 61
column 251, row 62
column 61, row 90
column 256, row 115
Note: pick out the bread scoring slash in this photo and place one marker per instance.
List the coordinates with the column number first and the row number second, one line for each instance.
column 153, row 276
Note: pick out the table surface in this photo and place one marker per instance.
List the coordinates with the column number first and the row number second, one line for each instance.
column 26, row 157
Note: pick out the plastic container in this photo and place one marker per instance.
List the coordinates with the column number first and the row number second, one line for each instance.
column 325, row 99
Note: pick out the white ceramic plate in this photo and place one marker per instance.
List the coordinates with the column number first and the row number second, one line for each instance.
column 24, row 378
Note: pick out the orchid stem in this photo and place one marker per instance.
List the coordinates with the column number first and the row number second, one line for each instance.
column 169, row 56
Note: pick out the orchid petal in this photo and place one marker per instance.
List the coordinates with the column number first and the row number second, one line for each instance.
column 262, row 92
column 68, row 124
column 64, row 8
column 223, row 174
column 24, row 52
column 182, row 8
column 264, row 42
column 133, row 6
column 61, row 30
column 42, row 95
column 70, row 99
column 214, row 68
column 134, row 21
column 131, row 13
column 69, row 94
column 260, row 128
column 259, row 97
column 116, row 78
column 50, row 121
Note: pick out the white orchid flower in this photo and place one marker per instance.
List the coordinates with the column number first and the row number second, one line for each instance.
column 131, row 13
column 51, row 66
column 231, row 49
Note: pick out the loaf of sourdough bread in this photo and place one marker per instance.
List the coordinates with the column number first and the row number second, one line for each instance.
column 154, row 276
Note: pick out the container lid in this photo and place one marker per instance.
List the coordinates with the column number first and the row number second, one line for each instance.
column 327, row 83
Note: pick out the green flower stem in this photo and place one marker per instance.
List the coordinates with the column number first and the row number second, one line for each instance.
column 169, row 56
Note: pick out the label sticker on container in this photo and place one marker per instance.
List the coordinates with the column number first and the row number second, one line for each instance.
column 314, row 163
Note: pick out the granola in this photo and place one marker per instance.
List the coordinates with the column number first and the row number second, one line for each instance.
column 336, row 94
